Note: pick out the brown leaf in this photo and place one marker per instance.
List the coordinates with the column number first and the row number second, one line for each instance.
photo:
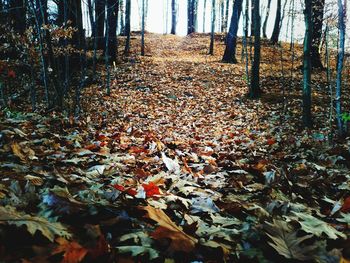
column 73, row 252
column 180, row 241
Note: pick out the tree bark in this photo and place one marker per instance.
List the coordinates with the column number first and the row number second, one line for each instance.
column 213, row 18
column 143, row 28
column 276, row 28
column 255, row 91
column 173, row 17
column 91, row 17
column 112, row 14
column 231, row 40
column 307, row 118
column 317, row 21
column 266, row 18
column 100, row 22
column 340, row 62
column 127, row 26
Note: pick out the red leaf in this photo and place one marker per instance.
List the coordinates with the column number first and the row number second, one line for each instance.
column 346, row 206
column 119, row 187
column 151, row 189
column 132, row 192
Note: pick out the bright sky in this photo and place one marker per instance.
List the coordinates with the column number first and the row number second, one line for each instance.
column 158, row 17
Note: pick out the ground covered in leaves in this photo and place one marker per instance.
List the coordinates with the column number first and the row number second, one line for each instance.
column 177, row 165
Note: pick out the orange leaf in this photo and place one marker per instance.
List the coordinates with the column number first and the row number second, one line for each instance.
column 73, row 252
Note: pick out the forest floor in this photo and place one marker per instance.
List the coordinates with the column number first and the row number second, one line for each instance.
column 177, row 164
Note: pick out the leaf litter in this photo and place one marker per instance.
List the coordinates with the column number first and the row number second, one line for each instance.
column 177, row 165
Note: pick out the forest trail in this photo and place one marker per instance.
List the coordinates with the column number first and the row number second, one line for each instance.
column 176, row 163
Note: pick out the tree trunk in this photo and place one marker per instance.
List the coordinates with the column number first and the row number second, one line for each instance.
column 276, row 28
column 190, row 16
column 317, row 21
column 122, row 18
column 222, row 16
column 255, row 91
column 307, row 118
column 173, row 17
column 340, row 62
column 100, row 22
column 213, row 18
column 143, row 28
column 252, row 22
column 266, row 18
column 226, row 14
column 204, row 13
column 127, row 26
column 231, row 40
column 91, row 17
column 112, row 13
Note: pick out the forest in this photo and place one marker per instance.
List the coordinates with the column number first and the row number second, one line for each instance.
column 174, row 131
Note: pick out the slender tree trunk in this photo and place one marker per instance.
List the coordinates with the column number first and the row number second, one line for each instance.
column 307, row 118
column 231, row 40
column 213, row 18
column 173, row 17
column 100, row 22
column 266, row 18
column 341, row 51
column 226, row 14
column 255, row 91
column 127, row 26
column 122, row 18
column 112, row 13
column 91, row 17
column 222, row 16
column 252, row 22
column 143, row 29
column 276, row 28
column 191, row 16
column 317, row 21
column 204, row 13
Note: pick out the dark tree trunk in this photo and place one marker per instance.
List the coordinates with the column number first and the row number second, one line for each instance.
column 213, row 18
column 100, row 22
column 127, row 26
column 307, row 118
column 231, row 40
column 173, row 17
column 266, row 18
column 255, row 91
column 18, row 15
column 252, row 22
column 143, row 28
column 340, row 62
column 112, row 14
column 222, row 14
column 91, row 17
column 317, row 21
column 276, row 28
column 226, row 14
column 191, row 16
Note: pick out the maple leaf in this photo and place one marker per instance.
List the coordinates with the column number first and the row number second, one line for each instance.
column 286, row 242
column 73, row 252
column 313, row 225
column 180, row 241
column 9, row 215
